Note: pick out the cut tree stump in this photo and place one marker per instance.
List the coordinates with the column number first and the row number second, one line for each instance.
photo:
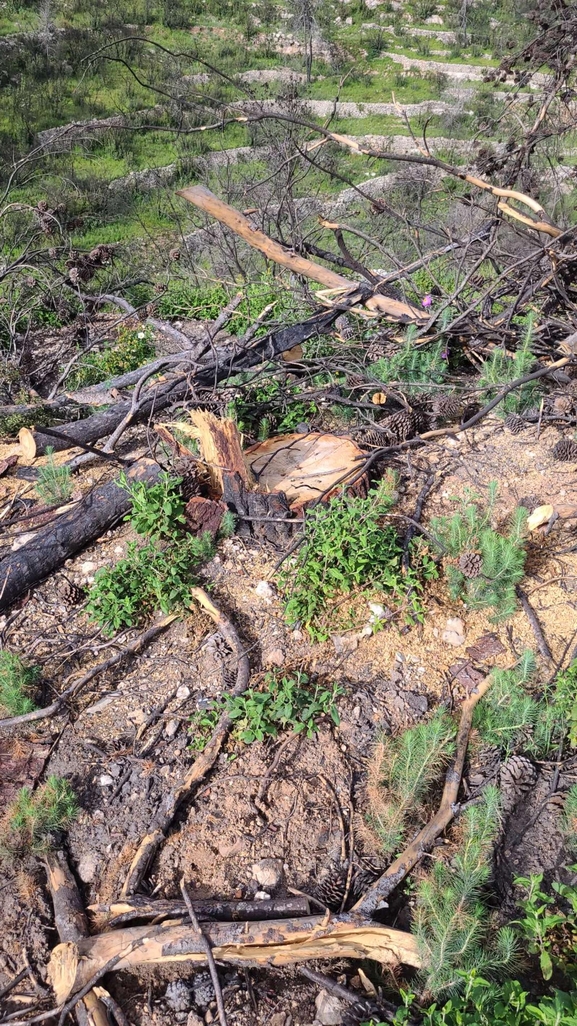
column 52, row 545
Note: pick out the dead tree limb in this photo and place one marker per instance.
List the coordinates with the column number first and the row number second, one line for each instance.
column 205, row 200
column 202, row 765
column 412, row 854
column 72, row 926
column 276, row 942
column 134, row 646
column 141, row 907
column 54, row 544
column 208, row 952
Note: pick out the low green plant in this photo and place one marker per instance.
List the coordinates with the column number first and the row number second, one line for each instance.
column 349, row 544
column 558, row 714
column 35, row 816
column 132, row 348
column 402, row 770
column 569, row 822
column 501, row 368
column 482, row 1002
column 17, row 678
column 270, row 406
column 284, row 702
column 507, row 716
column 502, row 556
column 157, row 574
column 418, row 365
column 54, row 483
column 451, row 920
column 539, row 921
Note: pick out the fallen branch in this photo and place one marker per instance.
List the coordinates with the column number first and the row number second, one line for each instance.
column 205, row 200
column 535, row 625
column 412, row 854
column 134, row 646
column 202, row 765
column 71, row 924
column 74, row 530
column 276, row 942
column 141, row 907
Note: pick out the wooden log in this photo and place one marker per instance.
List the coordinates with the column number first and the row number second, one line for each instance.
column 275, row 942
column 72, row 926
column 141, row 907
column 205, row 200
column 55, row 543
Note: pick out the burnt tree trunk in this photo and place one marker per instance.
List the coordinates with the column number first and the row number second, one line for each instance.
column 55, row 543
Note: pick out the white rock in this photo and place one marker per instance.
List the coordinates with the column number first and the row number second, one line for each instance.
column 454, row 633
column 194, row 1019
column 171, row 728
column 265, row 590
column 87, row 868
column 273, row 657
column 88, row 567
column 183, row 692
column 262, row 896
column 106, row 780
column 268, row 873
column 329, row 1009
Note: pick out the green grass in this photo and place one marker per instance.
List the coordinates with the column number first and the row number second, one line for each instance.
column 35, row 816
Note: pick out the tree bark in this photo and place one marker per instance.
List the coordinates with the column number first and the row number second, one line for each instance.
column 141, row 907
column 56, row 542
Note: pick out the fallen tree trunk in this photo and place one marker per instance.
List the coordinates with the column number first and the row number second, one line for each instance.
column 56, row 542
column 160, row 395
column 276, row 942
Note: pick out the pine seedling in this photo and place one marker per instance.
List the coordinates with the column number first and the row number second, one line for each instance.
column 501, row 557
column 413, row 364
column 557, row 718
column 500, row 369
column 54, row 481
column 35, row 816
column 507, row 715
column 451, row 921
column 17, row 678
column 402, row 770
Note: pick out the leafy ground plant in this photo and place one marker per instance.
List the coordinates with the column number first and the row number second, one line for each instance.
column 132, row 348
column 482, row 566
column 283, row 702
column 157, row 574
column 54, row 481
column 35, row 816
column 347, row 543
column 17, row 678
column 501, row 368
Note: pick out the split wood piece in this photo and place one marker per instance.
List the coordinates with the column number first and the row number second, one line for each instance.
column 132, row 648
column 412, row 854
column 305, row 467
column 140, row 907
column 276, row 942
column 55, row 543
column 220, row 449
column 204, row 762
column 205, row 200
column 72, row 927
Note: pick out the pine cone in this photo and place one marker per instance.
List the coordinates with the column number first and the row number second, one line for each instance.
column 561, row 405
column 470, row 564
column 530, row 502
column 405, row 424
column 531, row 415
column 565, row 450
column 362, row 1011
column 514, row 423
column 372, row 439
column 448, row 407
column 333, row 888
column 344, row 328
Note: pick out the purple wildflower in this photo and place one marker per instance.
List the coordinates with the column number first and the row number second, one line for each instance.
column 427, row 301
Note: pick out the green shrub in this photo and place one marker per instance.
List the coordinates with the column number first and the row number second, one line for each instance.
column 17, row 678
column 158, row 574
column 570, row 818
column 347, row 545
column 54, row 481
column 507, row 715
column 270, row 407
column 413, row 364
column 469, row 533
column 35, row 815
column 132, row 349
column 283, row 703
